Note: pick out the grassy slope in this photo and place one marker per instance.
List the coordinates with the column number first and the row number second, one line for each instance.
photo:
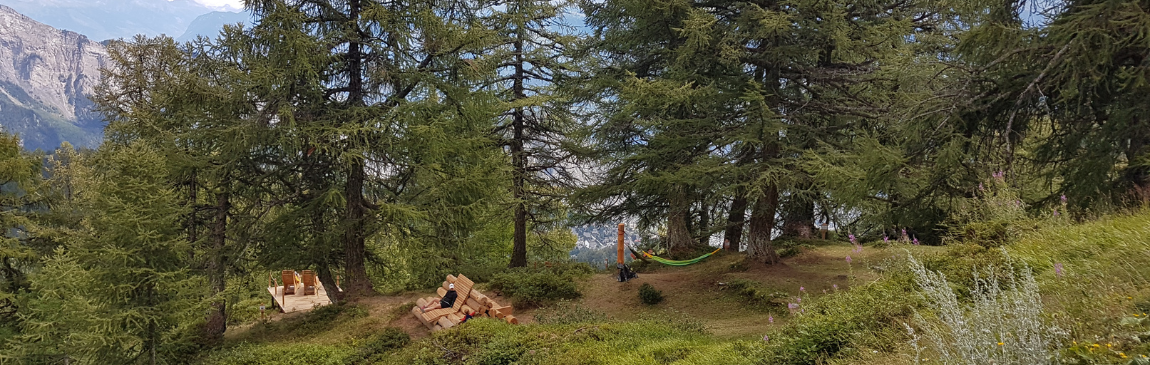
column 1106, row 264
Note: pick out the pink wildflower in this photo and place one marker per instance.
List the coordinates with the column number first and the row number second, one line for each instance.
column 770, row 319
column 848, row 259
column 916, row 240
column 1063, row 198
column 836, row 286
column 1058, row 268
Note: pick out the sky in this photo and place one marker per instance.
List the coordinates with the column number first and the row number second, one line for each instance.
column 222, row 5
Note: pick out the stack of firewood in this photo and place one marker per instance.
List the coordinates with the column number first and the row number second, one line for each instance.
column 469, row 301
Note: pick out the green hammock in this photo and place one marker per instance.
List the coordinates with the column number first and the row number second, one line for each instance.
column 673, row 262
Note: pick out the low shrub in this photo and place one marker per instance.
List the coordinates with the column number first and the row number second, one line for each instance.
column 838, row 325
column 375, row 347
column 751, row 293
column 535, row 286
column 1003, row 325
column 649, row 295
column 565, row 312
column 277, row 354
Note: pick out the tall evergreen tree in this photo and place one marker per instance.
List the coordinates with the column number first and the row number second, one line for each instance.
column 379, row 55
column 534, row 63
column 20, row 174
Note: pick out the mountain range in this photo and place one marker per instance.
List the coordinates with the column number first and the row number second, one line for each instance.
column 47, row 73
column 46, row 76
column 102, row 20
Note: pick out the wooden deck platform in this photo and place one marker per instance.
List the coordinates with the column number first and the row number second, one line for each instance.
column 298, row 301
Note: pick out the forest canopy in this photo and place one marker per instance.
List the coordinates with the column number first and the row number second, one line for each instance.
column 388, row 143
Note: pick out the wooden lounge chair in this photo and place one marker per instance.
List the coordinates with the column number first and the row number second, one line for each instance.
column 308, row 282
column 470, row 301
column 289, row 282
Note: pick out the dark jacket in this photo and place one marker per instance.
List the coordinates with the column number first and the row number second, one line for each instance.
column 448, row 299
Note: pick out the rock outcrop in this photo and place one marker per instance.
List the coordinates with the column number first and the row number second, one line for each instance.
column 46, row 76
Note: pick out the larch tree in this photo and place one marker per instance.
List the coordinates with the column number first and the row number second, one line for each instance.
column 534, row 64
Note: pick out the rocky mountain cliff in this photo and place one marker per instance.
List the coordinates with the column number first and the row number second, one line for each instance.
column 45, row 75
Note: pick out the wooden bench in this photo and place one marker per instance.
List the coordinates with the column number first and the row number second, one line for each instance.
column 468, row 301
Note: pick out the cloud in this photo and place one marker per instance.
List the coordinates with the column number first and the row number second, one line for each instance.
column 222, row 5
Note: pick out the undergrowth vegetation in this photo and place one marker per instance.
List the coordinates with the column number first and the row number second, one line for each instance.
column 1074, row 293
column 539, row 285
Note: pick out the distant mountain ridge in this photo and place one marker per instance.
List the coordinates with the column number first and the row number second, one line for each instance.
column 102, row 20
column 210, row 24
column 46, row 76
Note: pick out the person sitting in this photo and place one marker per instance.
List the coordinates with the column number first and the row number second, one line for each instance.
column 447, row 301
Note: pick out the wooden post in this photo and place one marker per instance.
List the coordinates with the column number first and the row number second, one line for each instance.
column 620, row 259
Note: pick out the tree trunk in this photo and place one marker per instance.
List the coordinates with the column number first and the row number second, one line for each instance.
column 217, row 322
column 760, row 246
column 328, row 280
column 357, row 285
column 798, row 217
column 733, row 235
column 1137, row 174
column 519, row 160
column 355, row 249
column 678, row 235
column 763, row 215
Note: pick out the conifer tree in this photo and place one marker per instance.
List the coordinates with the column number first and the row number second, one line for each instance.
column 379, row 55
column 534, row 62
column 20, row 174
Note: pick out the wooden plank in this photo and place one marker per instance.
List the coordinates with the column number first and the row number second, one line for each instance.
column 463, row 287
column 434, row 315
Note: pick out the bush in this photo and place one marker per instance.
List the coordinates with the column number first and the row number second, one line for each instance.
column 751, row 293
column 275, row 354
column 649, row 295
column 369, row 353
column 566, row 312
column 540, row 285
column 838, row 325
column 1003, row 325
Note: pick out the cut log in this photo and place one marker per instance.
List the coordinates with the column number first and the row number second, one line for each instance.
column 441, row 292
column 504, row 311
column 511, row 320
column 421, row 302
column 436, row 327
column 445, row 283
column 419, row 315
column 451, row 278
column 446, row 323
column 471, row 302
column 465, row 309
